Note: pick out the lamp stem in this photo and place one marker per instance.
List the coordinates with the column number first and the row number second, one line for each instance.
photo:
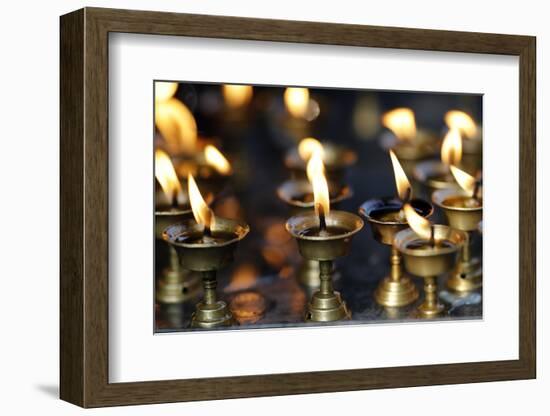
column 466, row 249
column 325, row 276
column 430, row 288
column 209, row 283
column 395, row 260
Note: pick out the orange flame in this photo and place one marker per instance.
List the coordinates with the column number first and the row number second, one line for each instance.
column 217, row 160
column 420, row 225
column 308, row 146
column 297, row 101
column 316, row 175
column 451, row 148
column 165, row 90
column 401, row 122
column 202, row 213
column 237, row 96
column 461, row 121
column 404, row 189
column 465, row 180
column 174, row 120
column 167, row 178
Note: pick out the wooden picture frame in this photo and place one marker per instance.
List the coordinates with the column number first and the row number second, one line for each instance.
column 84, row 207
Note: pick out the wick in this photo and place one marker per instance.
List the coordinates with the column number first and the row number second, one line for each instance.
column 322, row 220
column 207, row 231
column 476, row 190
column 432, row 236
column 408, row 195
column 174, row 199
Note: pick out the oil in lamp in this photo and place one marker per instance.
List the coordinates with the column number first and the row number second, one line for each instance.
column 323, row 235
column 409, row 143
column 175, row 285
column 464, row 210
column 386, row 218
column 471, row 134
column 435, row 174
column 428, row 251
column 336, row 159
column 298, row 195
column 205, row 245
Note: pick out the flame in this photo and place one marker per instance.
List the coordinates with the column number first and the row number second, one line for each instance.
column 297, row 101
column 451, row 148
column 217, row 160
column 237, row 96
column 465, row 180
column 461, row 121
column 176, row 125
column 404, row 189
column 316, row 175
column 202, row 213
column 308, row 146
column 401, row 122
column 167, row 178
column 165, row 90
column 418, row 223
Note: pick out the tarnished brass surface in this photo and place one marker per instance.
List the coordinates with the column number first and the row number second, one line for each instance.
column 396, row 289
column 324, row 247
column 434, row 175
column 175, row 284
column 467, row 275
column 207, row 258
column 430, row 264
column 425, row 145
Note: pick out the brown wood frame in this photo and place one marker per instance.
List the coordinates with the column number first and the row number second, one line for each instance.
column 84, row 208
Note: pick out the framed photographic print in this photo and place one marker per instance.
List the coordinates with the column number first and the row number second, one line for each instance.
column 258, row 207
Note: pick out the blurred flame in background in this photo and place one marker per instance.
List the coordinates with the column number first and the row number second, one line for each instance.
column 237, row 96
column 217, row 160
column 173, row 119
column 167, row 178
column 451, row 148
column 401, row 122
column 463, row 122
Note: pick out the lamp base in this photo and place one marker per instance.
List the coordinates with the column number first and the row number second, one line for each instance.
column 466, row 277
column 177, row 286
column 396, row 293
column 430, row 310
column 327, row 308
column 212, row 315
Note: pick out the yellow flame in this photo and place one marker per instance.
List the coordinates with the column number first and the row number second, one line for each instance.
column 167, row 178
column 404, row 189
column 217, row 160
column 202, row 213
column 465, row 180
column 297, row 101
column 237, row 96
column 316, row 175
column 461, row 121
column 451, row 148
column 420, row 225
column 176, row 125
column 401, row 122
column 308, row 146
column 165, row 90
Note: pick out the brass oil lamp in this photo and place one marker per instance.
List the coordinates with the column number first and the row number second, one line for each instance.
column 175, row 285
column 429, row 251
column 298, row 195
column 300, row 111
column 324, row 235
column 336, row 159
column 472, row 144
column 386, row 218
column 236, row 114
column 205, row 245
column 464, row 210
column 409, row 143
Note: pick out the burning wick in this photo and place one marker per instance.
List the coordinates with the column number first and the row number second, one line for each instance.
column 322, row 220
column 421, row 226
column 404, row 189
column 432, row 236
column 201, row 211
column 467, row 182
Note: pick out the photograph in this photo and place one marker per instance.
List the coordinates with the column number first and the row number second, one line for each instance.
column 282, row 206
